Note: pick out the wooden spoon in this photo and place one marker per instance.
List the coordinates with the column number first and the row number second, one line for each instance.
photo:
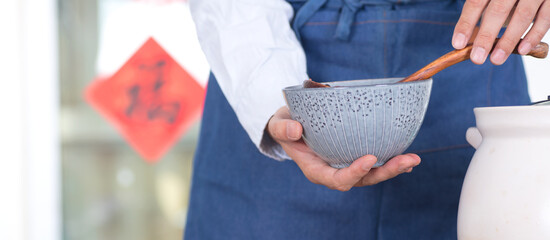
column 449, row 59
column 456, row 56
column 313, row 84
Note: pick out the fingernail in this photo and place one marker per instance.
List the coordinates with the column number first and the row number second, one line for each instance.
column 498, row 56
column 478, row 55
column 366, row 166
column 409, row 170
column 292, row 131
column 459, row 41
column 524, row 48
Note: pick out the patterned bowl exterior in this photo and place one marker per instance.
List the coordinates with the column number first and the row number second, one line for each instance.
column 355, row 118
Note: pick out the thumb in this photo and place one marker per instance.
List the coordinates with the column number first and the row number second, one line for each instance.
column 284, row 129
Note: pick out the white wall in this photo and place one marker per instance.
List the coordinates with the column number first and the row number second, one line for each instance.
column 29, row 171
column 538, row 74
column 11, row 124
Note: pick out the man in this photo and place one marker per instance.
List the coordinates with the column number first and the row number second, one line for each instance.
column 240, row 193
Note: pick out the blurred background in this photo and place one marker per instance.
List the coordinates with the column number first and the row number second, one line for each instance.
column 67, row 172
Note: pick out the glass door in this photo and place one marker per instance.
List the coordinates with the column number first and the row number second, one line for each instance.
column 109, row 191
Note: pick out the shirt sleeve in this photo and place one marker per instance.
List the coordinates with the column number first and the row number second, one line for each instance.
column 254, row 54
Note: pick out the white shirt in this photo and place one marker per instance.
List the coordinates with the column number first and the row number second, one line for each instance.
column 254, row 54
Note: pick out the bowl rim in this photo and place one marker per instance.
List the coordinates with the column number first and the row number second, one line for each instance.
column 301, row 88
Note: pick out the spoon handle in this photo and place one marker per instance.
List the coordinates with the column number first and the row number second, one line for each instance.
column 456, row 56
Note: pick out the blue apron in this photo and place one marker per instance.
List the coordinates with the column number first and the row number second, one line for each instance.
column 237, row 193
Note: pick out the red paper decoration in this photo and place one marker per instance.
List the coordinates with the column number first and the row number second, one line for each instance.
column 151, row 100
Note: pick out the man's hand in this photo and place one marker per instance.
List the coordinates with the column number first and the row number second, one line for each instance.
column 288, row 133
column 495, row 13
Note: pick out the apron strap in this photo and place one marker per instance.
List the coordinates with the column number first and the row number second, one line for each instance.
column 347, row 16
column 305, row 13
column 349, row 9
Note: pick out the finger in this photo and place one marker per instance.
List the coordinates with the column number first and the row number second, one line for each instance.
column 345, row 178
column 523, row 17
column 539, row 29
column 318, row 171
column 282, row 128
column 493, row 19
column 394, row 167
column 467, row 22
column 314, row 168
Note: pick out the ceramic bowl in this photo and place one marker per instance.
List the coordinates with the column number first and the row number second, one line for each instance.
column 359, row 117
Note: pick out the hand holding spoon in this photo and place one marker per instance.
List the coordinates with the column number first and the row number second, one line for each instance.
column 447, row 60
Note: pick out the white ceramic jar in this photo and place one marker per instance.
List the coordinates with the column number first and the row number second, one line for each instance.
column 506, row 191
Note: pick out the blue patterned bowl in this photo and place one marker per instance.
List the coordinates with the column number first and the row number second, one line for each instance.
column 355, row 118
